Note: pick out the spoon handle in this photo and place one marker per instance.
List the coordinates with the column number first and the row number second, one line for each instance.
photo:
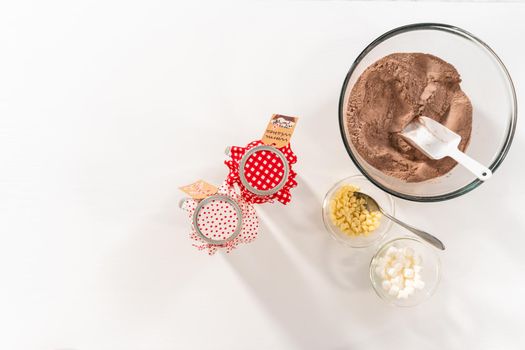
column 422, row 234
column 482, row 172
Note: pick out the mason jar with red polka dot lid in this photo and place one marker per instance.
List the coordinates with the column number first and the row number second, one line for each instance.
column 223, row 220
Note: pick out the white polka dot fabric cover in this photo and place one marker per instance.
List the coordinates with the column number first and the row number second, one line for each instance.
column 217, row 221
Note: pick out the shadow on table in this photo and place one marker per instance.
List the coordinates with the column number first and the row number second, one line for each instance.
column 143, row 273
column 343, row 266
column 291, row 265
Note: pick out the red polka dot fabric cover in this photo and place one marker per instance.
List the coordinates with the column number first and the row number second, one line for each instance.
column 218, row 220
column 263, row 171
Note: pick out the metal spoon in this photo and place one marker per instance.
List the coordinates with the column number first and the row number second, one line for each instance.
column 372, row 205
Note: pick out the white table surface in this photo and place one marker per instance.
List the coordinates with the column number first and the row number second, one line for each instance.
column 107, row 107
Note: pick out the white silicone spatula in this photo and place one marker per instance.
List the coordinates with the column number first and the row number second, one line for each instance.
column 437, row 141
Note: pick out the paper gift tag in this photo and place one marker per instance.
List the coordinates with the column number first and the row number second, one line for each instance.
column 279, row 130
column 199, row 189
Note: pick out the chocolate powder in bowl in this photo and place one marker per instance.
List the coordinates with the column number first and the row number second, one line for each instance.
column 389, row 95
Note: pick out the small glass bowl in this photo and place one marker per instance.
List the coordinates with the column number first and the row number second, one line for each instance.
column 430, row 273
column 383, row 199
column 486, row 82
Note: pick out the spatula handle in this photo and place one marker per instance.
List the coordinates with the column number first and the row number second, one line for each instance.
column 482, row 172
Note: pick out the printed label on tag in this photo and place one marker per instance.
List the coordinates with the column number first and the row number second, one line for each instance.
column 279, row 130
column 199, row 189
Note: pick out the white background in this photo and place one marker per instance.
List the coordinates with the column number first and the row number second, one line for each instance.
column 107, row 107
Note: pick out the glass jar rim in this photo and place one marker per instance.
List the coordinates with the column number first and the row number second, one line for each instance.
column 246, row 183
column 207, row 200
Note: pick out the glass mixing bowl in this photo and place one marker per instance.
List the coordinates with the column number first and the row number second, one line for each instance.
column 383, row 199
column 485, row 80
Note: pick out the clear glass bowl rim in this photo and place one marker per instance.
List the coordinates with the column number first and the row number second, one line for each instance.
column 449, row 29
column 375, row 287
column 334, row 236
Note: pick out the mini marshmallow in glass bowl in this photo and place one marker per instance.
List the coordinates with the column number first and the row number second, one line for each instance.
column 405, row 271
